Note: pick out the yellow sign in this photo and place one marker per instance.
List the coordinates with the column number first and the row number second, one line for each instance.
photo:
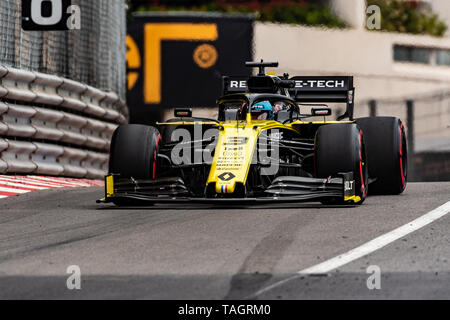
column 133, row 62
column 154, row 33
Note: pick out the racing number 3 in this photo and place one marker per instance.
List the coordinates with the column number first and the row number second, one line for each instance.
column 157, row 32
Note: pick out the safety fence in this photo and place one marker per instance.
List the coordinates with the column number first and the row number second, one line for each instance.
column 51, row 125
column 427, row 122
column 62, row 93
column 94, row 54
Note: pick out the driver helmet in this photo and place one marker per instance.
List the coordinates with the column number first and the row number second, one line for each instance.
column 262, row 110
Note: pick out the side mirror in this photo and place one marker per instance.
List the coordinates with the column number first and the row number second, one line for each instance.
column 323, row 112
column 289, row 84
column 283, row 116
column 183, row 112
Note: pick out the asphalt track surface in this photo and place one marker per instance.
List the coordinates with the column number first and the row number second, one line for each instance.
column 206, row 252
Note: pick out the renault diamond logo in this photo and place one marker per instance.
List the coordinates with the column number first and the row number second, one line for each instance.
column 227, row 176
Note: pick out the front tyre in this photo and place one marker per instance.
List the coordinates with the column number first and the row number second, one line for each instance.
column 341, row 148
column 134, row 150
column 133, row 154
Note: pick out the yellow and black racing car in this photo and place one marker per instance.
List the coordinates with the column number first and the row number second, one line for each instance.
column 272, row 141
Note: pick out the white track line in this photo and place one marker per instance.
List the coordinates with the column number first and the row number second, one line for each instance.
column 368, row 247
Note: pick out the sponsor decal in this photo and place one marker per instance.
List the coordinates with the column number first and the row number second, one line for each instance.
column 236, row 141
column 276, row 136
column 350, row 96
column 348, row 185
column 241, row 84
column 226, row 176
column 320, row 84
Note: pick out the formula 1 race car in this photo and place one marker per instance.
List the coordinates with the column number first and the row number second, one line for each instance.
column 263, row 147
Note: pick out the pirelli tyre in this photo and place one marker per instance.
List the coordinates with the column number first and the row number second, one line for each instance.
column 341, row 148
column 134, row 150
column 386, row 153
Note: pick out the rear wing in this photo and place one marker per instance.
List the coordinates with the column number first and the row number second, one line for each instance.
column 325, row 89
column 312, row 89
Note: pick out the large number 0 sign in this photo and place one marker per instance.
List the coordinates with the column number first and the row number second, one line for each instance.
column 50, row 15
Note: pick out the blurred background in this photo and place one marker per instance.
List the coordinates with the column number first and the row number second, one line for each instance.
column 62, row 93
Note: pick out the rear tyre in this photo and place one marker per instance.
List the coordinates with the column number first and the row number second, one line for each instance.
column 133, row 153
column 341, row 148
column 386, row 153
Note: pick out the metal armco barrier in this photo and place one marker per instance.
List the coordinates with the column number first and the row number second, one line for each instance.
column 71, row 160
column 18, row 156
column 55, row 126
column 17, row 83
column 3, row 164
column 3, row 71
column 45, row 157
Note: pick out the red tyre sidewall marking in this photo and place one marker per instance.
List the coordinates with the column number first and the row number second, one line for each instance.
column 401, row 154
column 360, row 165
column 154, row 161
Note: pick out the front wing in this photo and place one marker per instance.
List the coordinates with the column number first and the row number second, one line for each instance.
column 282, row 189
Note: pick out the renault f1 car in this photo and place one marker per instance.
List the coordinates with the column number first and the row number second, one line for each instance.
column 272, row 141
